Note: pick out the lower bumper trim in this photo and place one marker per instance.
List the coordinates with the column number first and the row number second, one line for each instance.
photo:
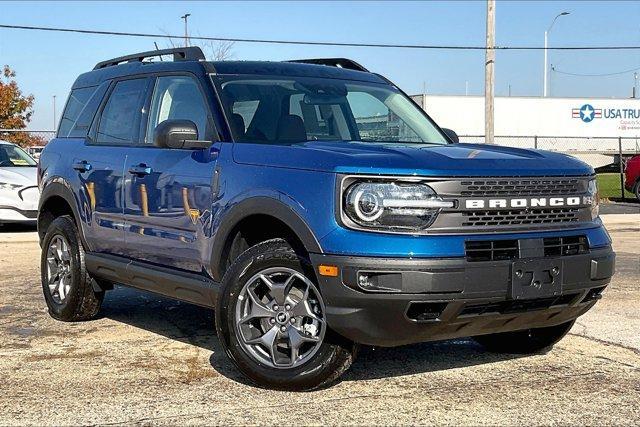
column 452, row 298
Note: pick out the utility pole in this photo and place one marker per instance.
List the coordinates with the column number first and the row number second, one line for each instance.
column 55, row 122
column 186, row 28
column 489, row 76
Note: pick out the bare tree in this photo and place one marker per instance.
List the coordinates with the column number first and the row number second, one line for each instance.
column 214, row 50
column 170, row 42
column 220, row 50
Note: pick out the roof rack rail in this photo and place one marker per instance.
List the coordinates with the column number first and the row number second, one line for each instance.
column 333, row 62
column 192, row 53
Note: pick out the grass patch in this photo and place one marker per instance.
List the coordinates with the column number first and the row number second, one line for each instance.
column 609, row 185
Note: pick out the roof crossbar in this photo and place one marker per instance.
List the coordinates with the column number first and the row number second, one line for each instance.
column 333, row 62
column 192, row 53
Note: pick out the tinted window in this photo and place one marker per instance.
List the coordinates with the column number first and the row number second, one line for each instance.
column 298, row 109
column 75, row 104
column 178, row 98
column 120, row 119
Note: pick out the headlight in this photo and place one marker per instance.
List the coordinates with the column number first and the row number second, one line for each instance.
column 9, row 186
column 402, row 206
column 593, row 198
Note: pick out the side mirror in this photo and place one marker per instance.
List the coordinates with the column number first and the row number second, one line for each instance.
column 451, row 134
column 178, row 134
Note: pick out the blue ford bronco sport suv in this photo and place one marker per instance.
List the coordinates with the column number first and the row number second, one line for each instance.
column 316, row 208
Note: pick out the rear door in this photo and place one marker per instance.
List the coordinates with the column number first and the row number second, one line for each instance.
column 100, row 163
column 167, row 192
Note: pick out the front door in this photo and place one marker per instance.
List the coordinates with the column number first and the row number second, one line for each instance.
column 167, row 194
column 101, row 160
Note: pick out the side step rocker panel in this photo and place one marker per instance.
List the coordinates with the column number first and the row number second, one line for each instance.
column 181, row 285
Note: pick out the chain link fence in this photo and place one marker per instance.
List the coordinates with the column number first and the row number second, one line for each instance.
column 27, row 138
column 607, row 155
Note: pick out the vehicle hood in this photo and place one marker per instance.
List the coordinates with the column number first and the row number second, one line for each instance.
column 25, row 176
column 425, row 160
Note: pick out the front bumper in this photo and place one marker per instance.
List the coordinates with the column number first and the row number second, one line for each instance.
column 19, row 205
column 13, row 214
column 434, row 299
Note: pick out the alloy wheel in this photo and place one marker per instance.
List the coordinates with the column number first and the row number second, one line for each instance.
column 59, row 268
column 279, row 318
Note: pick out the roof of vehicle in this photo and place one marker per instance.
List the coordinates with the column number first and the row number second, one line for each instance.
column 135, row 64
column 295, row 69
column 3, row 142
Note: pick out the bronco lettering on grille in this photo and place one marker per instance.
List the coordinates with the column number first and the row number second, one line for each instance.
column 525, row 202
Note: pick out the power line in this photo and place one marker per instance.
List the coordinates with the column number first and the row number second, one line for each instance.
column 313, row 43
column 617, row 73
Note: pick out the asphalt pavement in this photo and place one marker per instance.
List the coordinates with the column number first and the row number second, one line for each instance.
column 149, row 360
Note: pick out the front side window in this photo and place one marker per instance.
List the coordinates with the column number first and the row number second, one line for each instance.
column 178, row 98
column 120, row 119
column 12, row 156
column 298, row 109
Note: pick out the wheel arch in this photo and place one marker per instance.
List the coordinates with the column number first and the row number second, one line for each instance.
column 57, row 199
column 265, row 211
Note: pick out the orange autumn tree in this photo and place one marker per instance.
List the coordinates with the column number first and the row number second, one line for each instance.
column 15, row 111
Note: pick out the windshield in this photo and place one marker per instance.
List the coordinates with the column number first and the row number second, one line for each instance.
column 11, row 155
column 297, row 109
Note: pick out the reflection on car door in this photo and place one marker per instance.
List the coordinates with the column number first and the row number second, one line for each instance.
column 167, row 199
column 100, row 164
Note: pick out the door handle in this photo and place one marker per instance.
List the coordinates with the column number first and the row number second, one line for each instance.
column 82, row 166
column 140, row 170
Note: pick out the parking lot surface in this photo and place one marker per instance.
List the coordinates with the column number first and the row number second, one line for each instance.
column 148, row 360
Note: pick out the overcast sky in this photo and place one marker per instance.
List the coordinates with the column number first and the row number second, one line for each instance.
column 47, row 63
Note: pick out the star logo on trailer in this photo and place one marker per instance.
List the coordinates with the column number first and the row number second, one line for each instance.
column 586, row 113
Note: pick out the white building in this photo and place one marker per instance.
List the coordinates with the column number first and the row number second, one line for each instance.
column 588, row 128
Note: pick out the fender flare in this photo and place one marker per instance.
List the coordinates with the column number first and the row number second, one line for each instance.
column 259, row 205
column 60, row 188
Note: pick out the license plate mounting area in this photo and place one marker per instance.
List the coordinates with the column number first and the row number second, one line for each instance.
column 536, row 278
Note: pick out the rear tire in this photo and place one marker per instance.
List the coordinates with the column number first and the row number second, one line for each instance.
column 271, row 321
column 68, row 289
column 636, row 190
column 528, row 341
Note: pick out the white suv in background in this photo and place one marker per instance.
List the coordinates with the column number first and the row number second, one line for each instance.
column 18, row 185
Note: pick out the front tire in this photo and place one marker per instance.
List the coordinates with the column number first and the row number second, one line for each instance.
column 67, row 287
column 528, row 341
column 272, row 324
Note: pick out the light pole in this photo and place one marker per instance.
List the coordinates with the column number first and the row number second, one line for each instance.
column 54, row 113
column 186, row 29
column 546, row 36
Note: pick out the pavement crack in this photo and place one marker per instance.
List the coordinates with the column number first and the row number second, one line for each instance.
column 605, row 342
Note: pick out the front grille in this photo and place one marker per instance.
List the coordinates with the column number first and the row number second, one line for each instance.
column 504, row 250
column 491, row 250
column 519, row 217
column 508, row 307
column 568, row 245
column 519, row 187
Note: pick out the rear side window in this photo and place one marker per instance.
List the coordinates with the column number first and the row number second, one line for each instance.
column 75, row 104
column 120, row 118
